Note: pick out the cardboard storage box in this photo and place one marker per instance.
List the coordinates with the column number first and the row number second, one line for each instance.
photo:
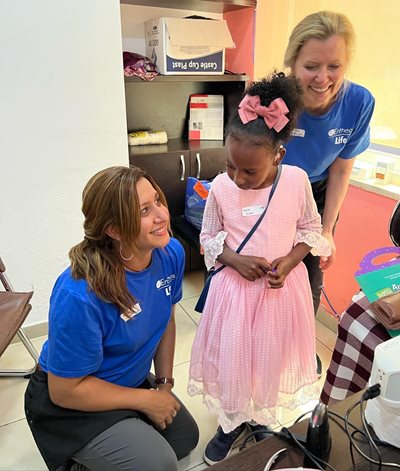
column 180, row 46
column 206, row 118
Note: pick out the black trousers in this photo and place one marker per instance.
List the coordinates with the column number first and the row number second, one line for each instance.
column 59, row 433
column 315, row 275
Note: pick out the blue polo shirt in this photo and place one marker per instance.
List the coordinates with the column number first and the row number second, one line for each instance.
column 342, row 132
column 87, row 336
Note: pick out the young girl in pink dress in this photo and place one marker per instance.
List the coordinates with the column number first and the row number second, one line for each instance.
column 254, row 348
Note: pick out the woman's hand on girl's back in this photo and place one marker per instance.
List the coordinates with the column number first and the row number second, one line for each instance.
column 250, row 267
column 161, row 407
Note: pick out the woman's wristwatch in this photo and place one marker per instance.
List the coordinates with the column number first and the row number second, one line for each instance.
column 164, row 380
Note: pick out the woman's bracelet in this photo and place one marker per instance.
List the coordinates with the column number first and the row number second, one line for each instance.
column 164, row 380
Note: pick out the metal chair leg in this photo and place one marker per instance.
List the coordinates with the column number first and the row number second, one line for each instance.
column 33, row 353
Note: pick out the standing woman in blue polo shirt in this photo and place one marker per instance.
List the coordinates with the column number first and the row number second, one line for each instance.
column 111, row 316
column 334, row 128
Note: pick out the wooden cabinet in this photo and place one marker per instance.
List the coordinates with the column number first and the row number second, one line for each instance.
column 170, row 170
column 163, row 104
column 171, row 165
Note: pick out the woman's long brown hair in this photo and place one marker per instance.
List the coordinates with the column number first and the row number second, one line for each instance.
column 109, row 199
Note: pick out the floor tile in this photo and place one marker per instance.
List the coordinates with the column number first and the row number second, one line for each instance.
column 13, row 388
column 325, row 335
column 193, row 283
column 185, row 331
column 16, row 357
column 200, row 467
column 18, row 450
column 12, row 400
column 188, row 305
column 327, row 318
column 207, row 423
column 15, row 434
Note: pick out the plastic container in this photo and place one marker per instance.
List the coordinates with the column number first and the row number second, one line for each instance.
column 363, row 170
column 384, row 170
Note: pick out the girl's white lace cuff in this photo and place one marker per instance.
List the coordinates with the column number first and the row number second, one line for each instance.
column 319, row 245
column 214, row 247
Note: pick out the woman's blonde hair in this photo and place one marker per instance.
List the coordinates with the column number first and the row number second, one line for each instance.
column 109, row 199
column 320, row 25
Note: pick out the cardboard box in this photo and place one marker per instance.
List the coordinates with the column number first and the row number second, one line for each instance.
column 180, row 46
column 206, row 118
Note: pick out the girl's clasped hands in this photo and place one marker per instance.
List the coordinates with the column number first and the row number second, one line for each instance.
column 252, row 268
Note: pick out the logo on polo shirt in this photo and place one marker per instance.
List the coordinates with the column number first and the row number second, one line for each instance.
column 165, row 284
column 340, row 135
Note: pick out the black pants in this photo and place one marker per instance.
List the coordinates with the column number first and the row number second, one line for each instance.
column 315, row 274
column 61, row 433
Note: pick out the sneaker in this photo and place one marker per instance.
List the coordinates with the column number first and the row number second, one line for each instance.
column 319, row 366
column 220, row 446
column 260, row 432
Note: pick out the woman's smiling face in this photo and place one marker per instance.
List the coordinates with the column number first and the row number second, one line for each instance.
column 320, row 67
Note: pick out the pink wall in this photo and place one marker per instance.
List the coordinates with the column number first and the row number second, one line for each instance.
column 241, row 24
column 362, row 227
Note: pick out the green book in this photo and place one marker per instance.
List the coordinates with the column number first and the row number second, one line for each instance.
column 380, row 282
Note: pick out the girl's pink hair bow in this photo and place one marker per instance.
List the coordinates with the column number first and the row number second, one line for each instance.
column 274, row 114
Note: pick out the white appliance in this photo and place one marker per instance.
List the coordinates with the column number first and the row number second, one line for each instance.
column 383, row 412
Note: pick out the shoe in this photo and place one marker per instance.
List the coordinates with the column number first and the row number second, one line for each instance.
column 319, row 366
column 220, row 446
column 260, row 432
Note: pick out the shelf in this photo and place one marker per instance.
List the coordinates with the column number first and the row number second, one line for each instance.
column 191, row 78
column 196, row 5
column 175, row 145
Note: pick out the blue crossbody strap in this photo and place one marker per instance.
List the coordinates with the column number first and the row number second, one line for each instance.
column 202, row 299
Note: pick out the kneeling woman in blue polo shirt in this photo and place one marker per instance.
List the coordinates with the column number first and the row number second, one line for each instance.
column 93, row 399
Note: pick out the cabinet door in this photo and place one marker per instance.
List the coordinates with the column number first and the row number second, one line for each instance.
column 170, row 171
column 206, row 163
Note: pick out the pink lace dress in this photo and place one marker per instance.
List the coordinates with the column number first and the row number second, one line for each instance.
column 254, row 348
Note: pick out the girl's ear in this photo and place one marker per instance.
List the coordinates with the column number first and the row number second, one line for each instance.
column 113, row 232
column 279, row 155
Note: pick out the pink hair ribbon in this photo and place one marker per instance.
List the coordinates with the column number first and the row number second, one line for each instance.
column 274, row 114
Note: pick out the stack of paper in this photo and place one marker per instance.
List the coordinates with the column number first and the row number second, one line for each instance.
column 206, row 119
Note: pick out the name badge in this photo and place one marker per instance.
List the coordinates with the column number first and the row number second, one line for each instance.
column 298, row 132
column 252, row 210
column 131, row 314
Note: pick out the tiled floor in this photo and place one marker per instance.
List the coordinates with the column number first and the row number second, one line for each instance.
column 17, row 448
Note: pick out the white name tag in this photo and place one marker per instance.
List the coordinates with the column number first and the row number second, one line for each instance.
column 298, row 132
column 135, row 310
column 252, row 210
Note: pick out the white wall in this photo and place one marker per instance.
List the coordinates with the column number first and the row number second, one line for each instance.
column 62, row 119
